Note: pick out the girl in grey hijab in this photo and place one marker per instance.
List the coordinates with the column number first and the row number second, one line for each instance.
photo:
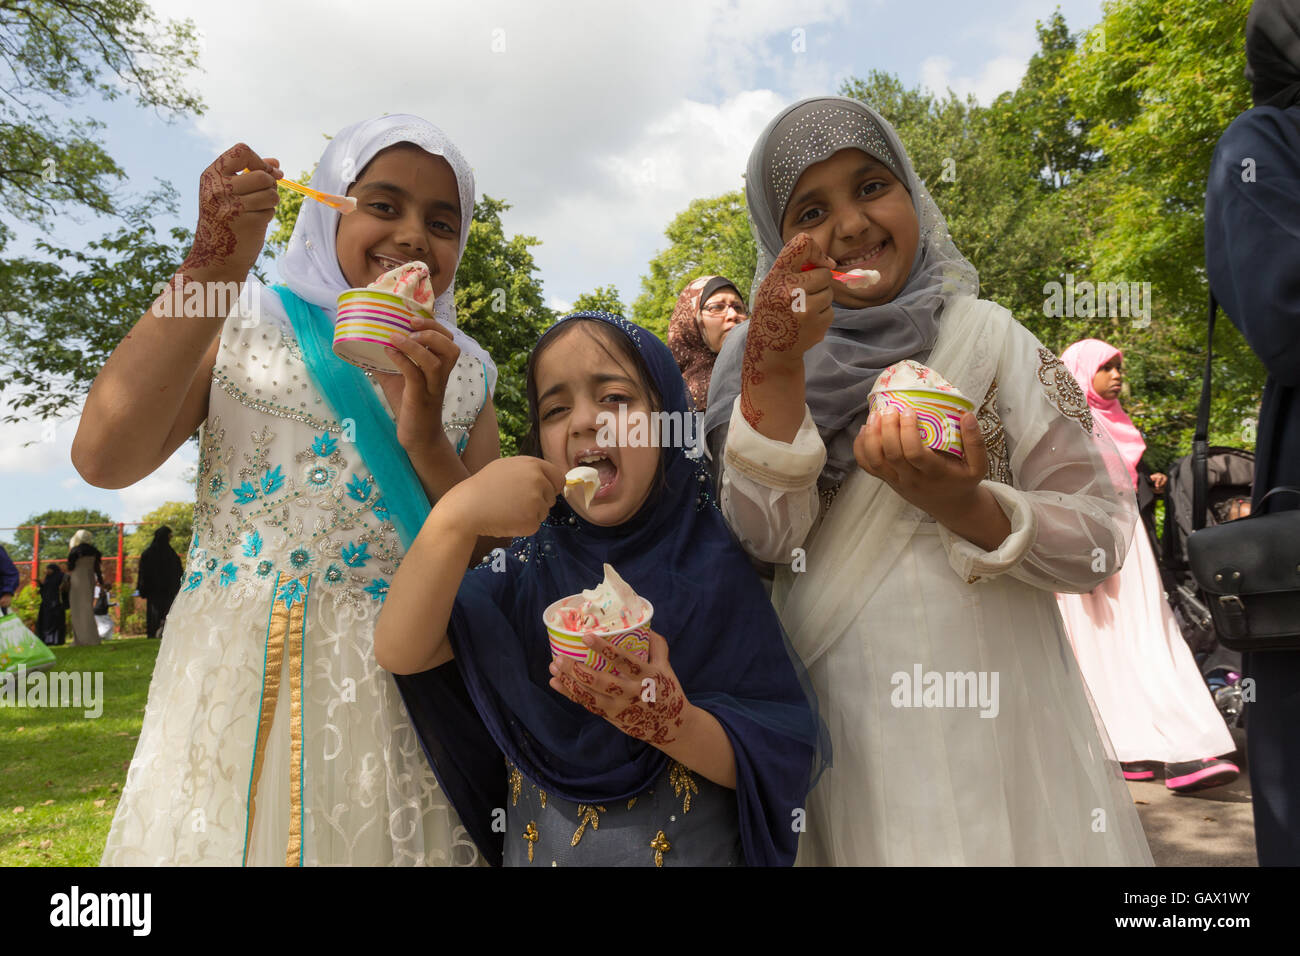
column 861, row 342
column 915, row 569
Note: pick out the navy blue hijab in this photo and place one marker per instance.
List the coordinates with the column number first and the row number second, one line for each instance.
column 725, row 644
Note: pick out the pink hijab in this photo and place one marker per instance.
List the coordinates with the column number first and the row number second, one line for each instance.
column 1083, row 359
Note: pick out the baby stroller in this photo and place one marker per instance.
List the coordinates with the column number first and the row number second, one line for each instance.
column 1231, row 472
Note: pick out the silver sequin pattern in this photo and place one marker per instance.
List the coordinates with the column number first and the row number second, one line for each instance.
column 816, row 135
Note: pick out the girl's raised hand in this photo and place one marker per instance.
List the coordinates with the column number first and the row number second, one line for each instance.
column 234, row 211
column 889, row 446
column 425, row 358
column 507, row 498
column 644, row 700
column 792, row 310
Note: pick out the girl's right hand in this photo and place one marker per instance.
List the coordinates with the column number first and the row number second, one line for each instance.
column 234, row 211
column 507, row 498
column 792, row 310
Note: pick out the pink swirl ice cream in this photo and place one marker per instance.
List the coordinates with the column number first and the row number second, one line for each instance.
column 410, row 281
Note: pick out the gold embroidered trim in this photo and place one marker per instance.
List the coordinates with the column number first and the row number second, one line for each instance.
column 1063, row 390
column 516, row 781
column 531, row 834
column 661, row 846
column 682, row 782
column 284, row 633
column 631, row 803
column 995, row 437
column 588, row 813
column 541, row 795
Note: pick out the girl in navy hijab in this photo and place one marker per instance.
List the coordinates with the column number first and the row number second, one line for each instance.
column 701, row 754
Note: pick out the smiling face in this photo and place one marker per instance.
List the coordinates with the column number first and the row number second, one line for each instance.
column 579, row 375
column 1109, row 379
column 408, row 208
column 723, row 312
column 861, row 215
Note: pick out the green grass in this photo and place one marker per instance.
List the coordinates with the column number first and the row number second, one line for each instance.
column 56, row 765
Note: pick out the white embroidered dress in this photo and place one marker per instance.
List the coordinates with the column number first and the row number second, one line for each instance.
column 271, row 736
column 962, row 771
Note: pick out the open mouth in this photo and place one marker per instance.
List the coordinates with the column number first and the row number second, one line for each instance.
column 605, row 468
column 864, row 258
column 388, row 263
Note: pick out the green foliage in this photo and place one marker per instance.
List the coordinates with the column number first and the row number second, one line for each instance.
column 56, row 52
column 1095, row 167
column 603, row 298
column 499, row 302
column 76, row 306
column 709, row 237
column 1161, row 80
column 177, row 515
column 286, row 215
column 27, row 602
column 55, row 541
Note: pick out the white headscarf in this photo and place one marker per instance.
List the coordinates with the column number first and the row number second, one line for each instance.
column 310, row 267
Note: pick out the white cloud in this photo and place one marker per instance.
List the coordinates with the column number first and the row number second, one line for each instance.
column 51, row 444
column 29, row 476
column 993, row 77
column 558, row 122
column 168, row 483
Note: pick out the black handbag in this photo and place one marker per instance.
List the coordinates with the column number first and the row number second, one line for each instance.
column 1249, row 569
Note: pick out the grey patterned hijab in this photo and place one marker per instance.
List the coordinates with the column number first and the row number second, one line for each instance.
column 840, row 370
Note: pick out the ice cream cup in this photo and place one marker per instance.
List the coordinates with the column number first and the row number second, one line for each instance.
column 365, row 325
column 567, row 645
column 938, row 414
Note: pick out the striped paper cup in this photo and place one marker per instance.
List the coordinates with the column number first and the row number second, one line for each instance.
column 365, row 325
column 568, row 644
column 938, row 414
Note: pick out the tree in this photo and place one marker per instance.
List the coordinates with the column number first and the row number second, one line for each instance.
column 55, row 541
column 709, row 237
column 603, row 298
column 56, row 52
column 1158, row 81
column 57, row 328
column 177, row 515
column 77, row 306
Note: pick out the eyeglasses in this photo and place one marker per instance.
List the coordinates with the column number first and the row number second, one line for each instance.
column 720, row 308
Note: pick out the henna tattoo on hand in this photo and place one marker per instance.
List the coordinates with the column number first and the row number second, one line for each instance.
column 214, row 237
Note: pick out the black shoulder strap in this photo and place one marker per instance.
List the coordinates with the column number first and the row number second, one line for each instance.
column 1200, row 441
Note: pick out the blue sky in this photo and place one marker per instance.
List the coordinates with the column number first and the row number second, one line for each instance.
column 597, row 121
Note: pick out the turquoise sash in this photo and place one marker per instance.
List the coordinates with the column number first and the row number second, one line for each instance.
column 352, row 396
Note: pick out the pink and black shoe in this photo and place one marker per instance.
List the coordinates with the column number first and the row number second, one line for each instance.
column 1137, row 771
column 1194, row 775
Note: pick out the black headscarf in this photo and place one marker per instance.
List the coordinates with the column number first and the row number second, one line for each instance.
column 1273, row 52
column 160, row 569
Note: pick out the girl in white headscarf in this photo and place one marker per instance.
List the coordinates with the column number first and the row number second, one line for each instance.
column 271, row 736
column 916, row 587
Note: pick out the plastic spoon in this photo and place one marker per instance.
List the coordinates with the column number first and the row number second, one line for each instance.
column 844, row 276
column 344, row 204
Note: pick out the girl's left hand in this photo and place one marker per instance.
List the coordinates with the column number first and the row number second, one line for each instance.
column 644, row 700
column 425, row 358
column 889, row 446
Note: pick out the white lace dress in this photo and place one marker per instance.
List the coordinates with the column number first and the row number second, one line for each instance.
column 905, row 627
column 271, row 736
